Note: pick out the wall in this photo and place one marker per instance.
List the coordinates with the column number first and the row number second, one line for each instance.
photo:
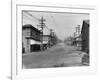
column 26, row 42
column 85, row 37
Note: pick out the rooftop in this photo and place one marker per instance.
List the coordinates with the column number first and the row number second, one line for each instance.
column 26, row 26
column 87, row 21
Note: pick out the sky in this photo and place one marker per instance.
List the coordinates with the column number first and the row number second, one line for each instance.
column 63, row 24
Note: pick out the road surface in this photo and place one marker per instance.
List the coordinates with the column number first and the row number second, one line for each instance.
column 60, row 55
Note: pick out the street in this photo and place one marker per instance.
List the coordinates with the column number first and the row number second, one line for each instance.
column 60, row 55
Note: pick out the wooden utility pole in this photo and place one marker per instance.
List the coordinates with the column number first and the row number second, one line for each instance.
column 42, row 25
column 78, row 30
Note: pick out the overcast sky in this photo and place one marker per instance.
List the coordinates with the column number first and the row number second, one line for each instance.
column 63, row 24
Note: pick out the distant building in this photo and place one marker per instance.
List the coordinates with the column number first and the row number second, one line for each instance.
column 49, row 40
column 46, row 38
column 30, row 37
column 85, row 36
column 77, row 42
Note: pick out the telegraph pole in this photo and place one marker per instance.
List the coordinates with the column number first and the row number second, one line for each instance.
column 42, row 25
column 78, row 30
column 74, row 34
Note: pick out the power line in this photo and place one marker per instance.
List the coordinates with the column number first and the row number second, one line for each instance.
column 47, row 28
column 31, row 15
column 36, row 18
column 28, row 17
column 54, row 20
column 41, row 25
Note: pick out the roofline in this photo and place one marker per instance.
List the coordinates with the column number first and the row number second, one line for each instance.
column 30, row 26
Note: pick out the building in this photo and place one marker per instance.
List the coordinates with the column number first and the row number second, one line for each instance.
column 31, row 36
column 46, row 39
column 49, row 40
column 77, row 41
column 85, row 36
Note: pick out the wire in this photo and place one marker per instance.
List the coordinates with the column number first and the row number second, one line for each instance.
column 35, row 18
column 54, row 20
column 28, row 17
column 32, row 15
